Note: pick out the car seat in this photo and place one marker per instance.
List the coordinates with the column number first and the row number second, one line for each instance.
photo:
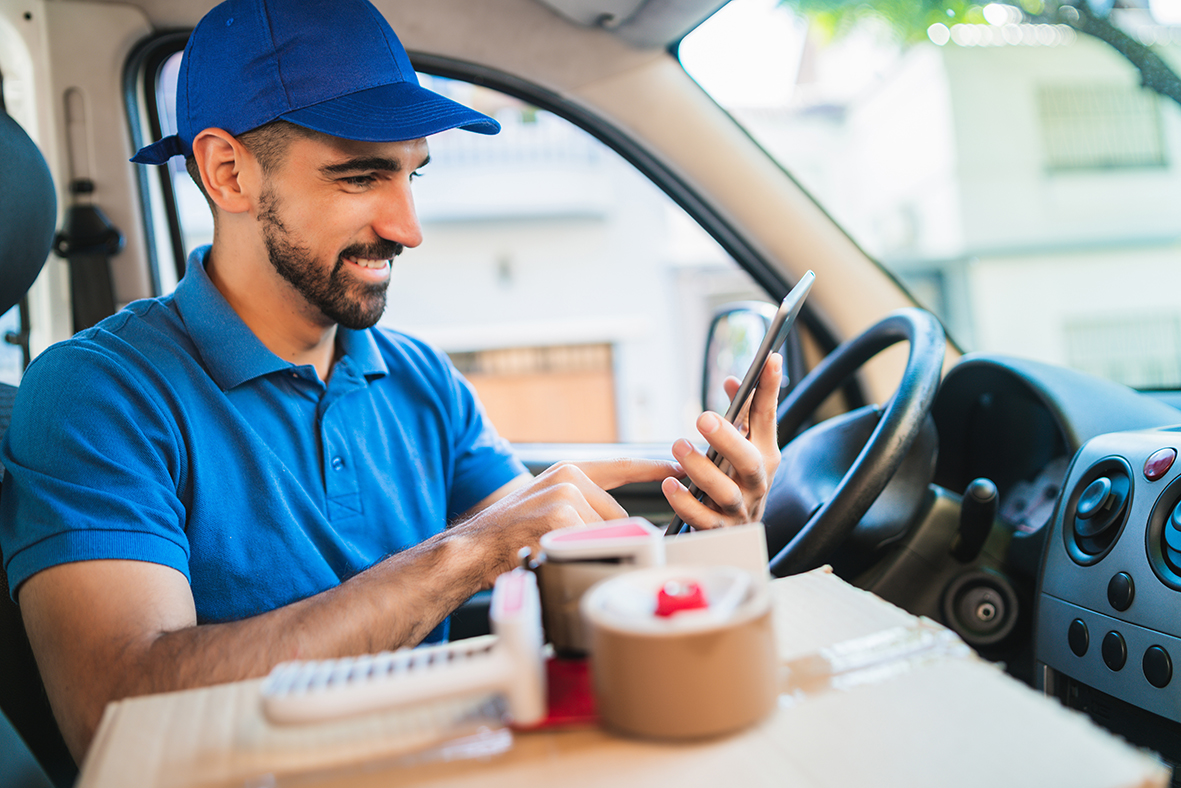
column 28, row 213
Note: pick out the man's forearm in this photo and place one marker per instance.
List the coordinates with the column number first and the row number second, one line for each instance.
column 395, row 603
column 129, row 638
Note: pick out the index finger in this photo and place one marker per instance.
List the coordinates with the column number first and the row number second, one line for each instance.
column 617, row 472
column 590, row 493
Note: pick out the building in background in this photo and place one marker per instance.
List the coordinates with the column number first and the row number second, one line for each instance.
column 1015, row 176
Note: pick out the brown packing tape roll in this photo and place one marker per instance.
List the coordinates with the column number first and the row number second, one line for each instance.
column 687, row 686
column 687, row 676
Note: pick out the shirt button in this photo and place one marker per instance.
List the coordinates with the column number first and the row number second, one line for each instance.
column 337, row 463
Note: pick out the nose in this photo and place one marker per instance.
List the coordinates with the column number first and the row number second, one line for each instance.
column 396, row 218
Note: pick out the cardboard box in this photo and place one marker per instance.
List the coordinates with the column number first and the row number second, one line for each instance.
column 872, row 697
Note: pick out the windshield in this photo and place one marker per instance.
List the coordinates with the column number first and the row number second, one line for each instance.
column 1008, row 168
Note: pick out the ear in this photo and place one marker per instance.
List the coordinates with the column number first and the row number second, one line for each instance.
column 228, row 171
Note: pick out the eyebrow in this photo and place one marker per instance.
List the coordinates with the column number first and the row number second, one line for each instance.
column 368, row 163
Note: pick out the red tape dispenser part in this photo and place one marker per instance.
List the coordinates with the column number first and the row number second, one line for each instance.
column 633, row 541
column 571, row 699
column 677, row 595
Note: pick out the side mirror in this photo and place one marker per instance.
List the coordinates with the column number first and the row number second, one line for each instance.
column 734, row 336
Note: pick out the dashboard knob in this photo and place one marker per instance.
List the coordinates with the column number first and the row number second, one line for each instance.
column 1100, row 509
column 1094, row 497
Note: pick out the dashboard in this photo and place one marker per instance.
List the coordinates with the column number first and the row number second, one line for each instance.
column 1108, row 621
column 1090, row 494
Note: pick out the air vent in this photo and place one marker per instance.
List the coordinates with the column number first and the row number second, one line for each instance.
column 1097, row 510
column 1163, row 536
column 1172, row 539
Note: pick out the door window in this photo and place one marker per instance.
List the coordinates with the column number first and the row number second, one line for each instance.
column 568, row 288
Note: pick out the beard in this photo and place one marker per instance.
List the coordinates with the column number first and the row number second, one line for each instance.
column 352, row 304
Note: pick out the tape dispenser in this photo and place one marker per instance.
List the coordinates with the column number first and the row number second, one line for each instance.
column 510, row 662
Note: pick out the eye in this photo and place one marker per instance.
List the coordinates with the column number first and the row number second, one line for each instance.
column 416, row 175
column 359, row 181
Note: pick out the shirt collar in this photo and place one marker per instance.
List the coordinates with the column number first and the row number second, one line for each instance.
column 361, row 348
column 231, row 352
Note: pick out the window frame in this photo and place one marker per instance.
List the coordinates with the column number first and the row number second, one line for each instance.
column 140, row 77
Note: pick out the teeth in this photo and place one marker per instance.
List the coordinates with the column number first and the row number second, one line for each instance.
column 375, row 264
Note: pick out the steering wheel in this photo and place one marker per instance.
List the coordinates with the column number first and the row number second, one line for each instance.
column 821, row 520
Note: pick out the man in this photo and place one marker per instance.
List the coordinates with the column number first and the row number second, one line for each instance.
column 245, row 471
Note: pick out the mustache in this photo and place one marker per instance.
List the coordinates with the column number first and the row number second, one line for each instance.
column 381, row 250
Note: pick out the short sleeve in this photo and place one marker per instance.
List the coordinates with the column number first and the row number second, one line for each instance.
column 93, row 466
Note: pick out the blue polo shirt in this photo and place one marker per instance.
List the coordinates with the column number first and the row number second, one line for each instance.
column 169, row 433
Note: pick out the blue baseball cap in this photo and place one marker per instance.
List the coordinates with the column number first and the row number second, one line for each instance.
column 333, row 66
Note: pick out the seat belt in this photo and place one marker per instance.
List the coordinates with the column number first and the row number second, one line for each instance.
column 87, row 241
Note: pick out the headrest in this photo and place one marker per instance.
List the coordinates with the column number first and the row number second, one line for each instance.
column 28, row 212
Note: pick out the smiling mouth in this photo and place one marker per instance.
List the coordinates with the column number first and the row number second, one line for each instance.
column 375, row 265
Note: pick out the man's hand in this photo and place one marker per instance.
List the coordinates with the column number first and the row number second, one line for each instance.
column 568, row 493
column 738, row 489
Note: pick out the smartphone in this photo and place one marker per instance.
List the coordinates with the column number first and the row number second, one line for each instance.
column 785, row 318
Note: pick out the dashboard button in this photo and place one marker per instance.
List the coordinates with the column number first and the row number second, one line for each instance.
column 1158, row 667
column 1156, row 466
column 1115, row 650
column 1078, row 637
column 1121, row 591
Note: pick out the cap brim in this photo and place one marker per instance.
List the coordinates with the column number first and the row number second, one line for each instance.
column 160, row 152
column 391, row 113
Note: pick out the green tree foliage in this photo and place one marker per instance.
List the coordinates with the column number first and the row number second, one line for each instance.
column 909, row 21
